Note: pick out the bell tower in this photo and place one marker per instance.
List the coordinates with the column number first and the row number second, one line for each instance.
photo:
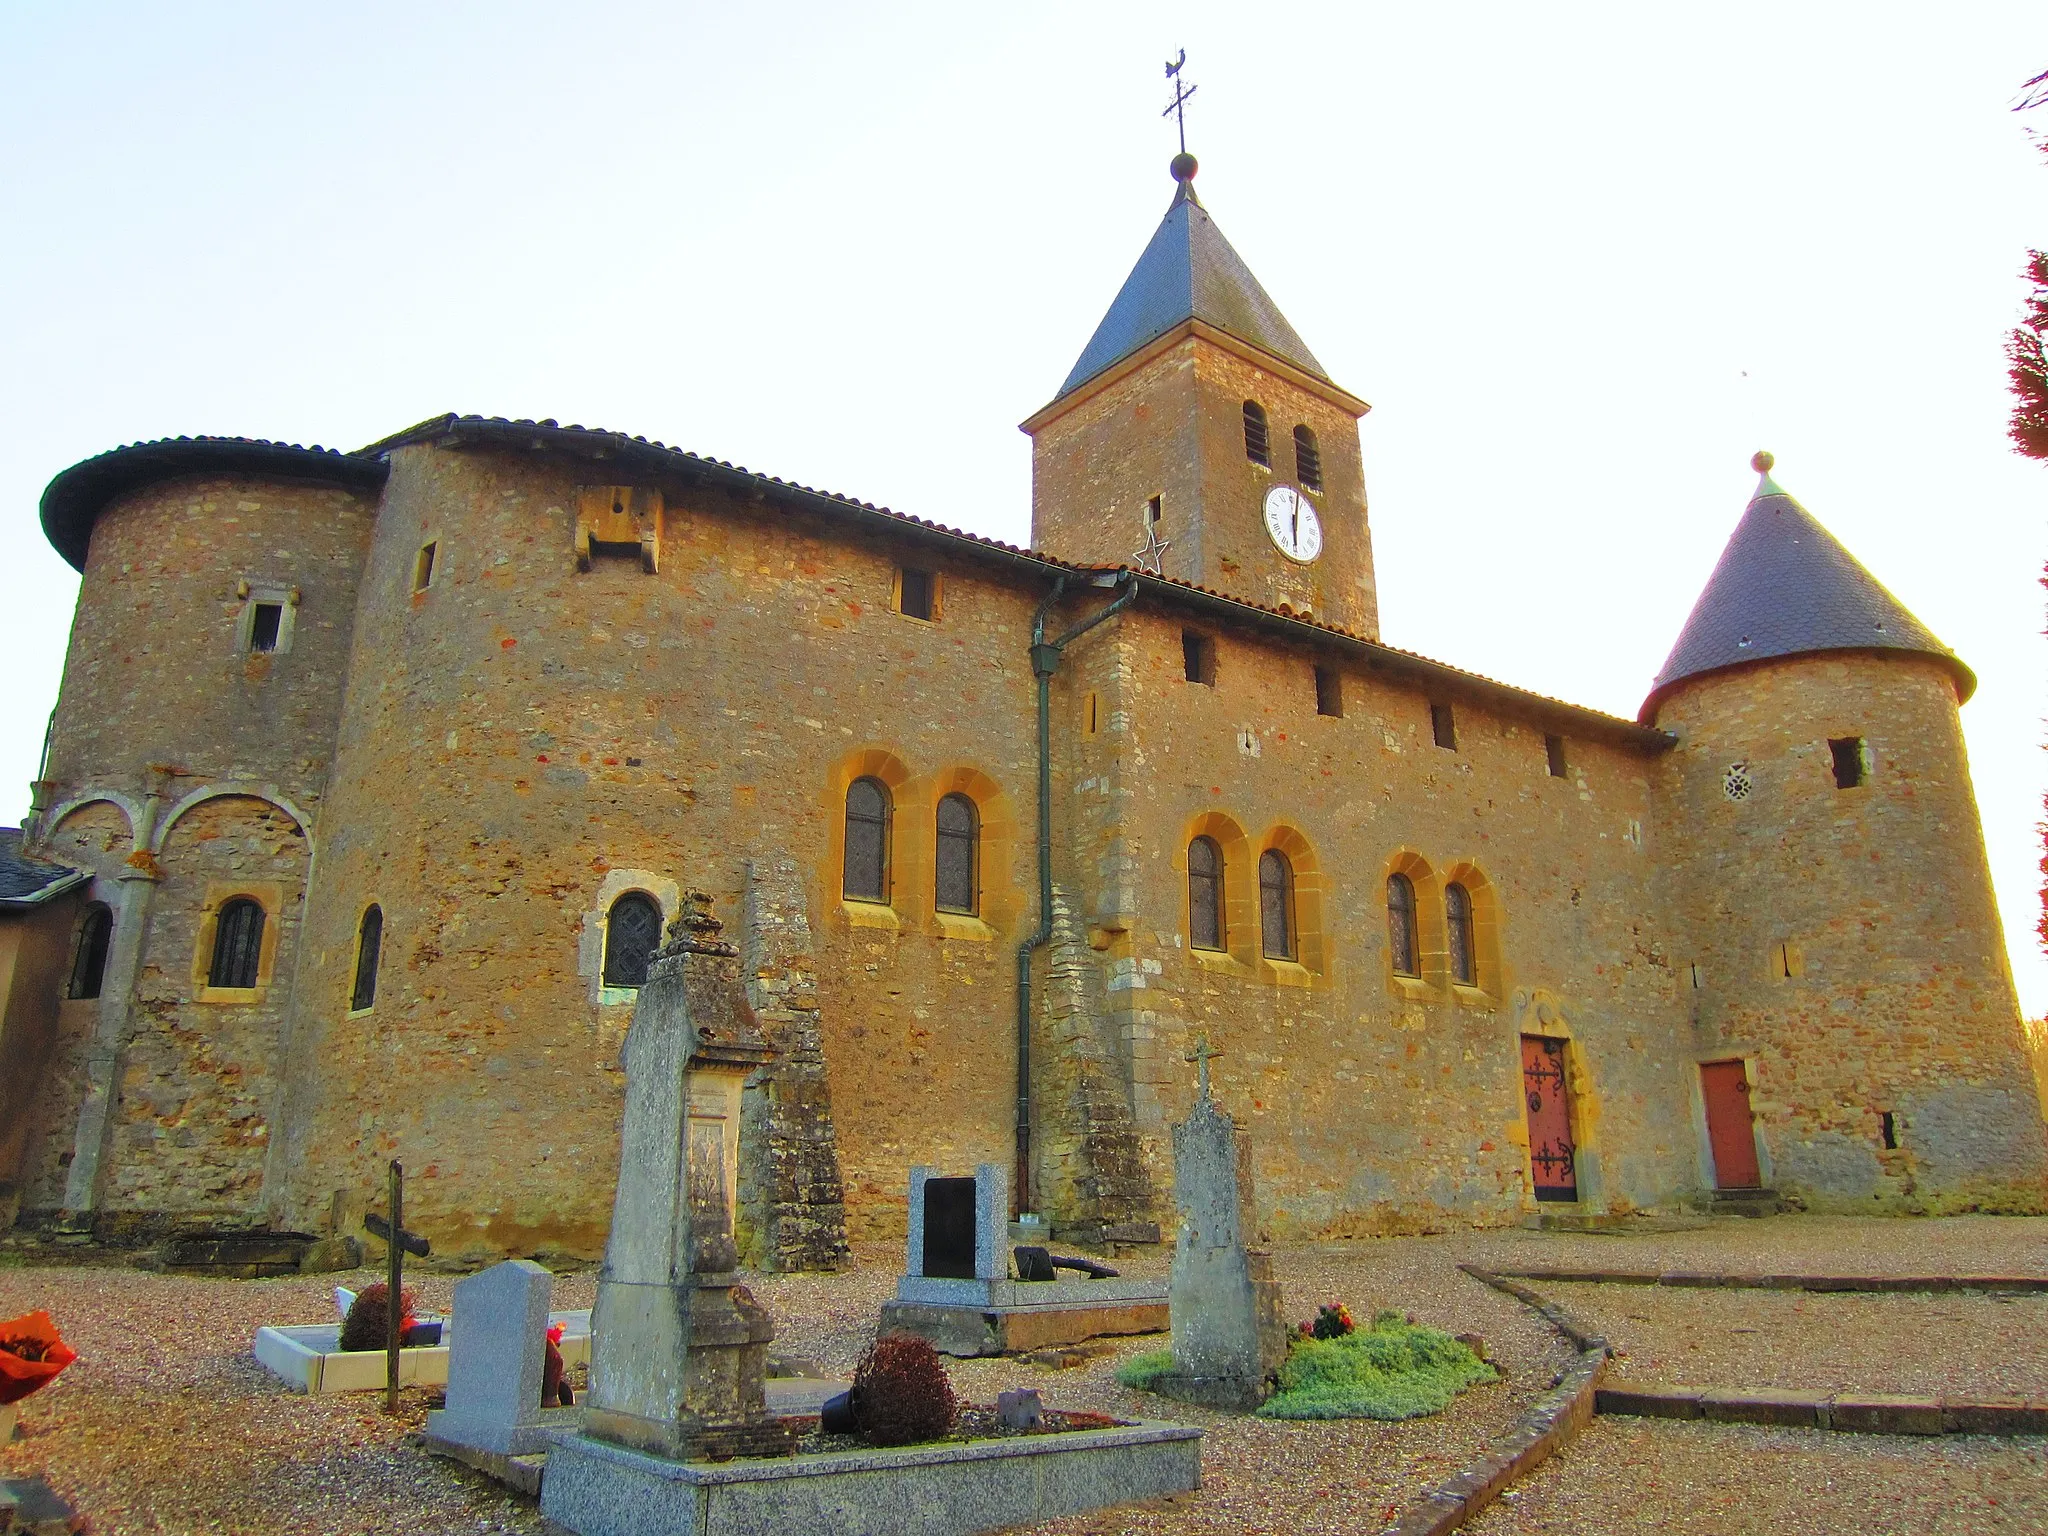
column 1198, row 437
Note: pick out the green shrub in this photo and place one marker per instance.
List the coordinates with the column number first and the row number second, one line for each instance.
column 1141, row 1371
column 1392, row 1370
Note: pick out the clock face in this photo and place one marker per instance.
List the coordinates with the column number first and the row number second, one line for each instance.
column 1297, row 531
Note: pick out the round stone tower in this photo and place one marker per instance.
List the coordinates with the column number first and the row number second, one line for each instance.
column 1857, row 1038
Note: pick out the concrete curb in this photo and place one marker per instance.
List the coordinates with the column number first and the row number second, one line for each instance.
column 1997, row 1285
column 1856, row 1413
column 1546, row 1427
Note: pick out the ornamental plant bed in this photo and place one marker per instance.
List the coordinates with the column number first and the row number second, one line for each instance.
column 973, row 1422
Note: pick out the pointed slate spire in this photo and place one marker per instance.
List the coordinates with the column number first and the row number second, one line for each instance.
column 1189, row 272
column 1786, row 587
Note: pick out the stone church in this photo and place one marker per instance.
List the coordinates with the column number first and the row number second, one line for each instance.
column 376, row 777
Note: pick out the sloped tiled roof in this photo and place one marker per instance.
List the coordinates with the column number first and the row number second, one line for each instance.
column 1785, row 586
column 26, row 882
column 1189, row 272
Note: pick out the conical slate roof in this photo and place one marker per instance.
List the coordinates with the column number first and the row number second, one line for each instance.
column 1189, row 272
column 1786, row 587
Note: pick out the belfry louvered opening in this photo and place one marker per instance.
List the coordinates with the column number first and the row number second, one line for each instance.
column 1258, row 444
column 1308, row 460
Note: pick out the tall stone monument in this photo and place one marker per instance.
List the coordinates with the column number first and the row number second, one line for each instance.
column 678, row 1346
column 1229, row 1338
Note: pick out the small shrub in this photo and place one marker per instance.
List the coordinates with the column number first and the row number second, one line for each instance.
column 1393, row 1370
column 901, row 1393
column 1141, row 1371
column 364, row 1326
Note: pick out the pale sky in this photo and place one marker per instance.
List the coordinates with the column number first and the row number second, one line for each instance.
column 1582, row 259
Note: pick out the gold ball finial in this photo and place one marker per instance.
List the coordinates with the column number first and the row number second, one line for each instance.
column 1762, row 460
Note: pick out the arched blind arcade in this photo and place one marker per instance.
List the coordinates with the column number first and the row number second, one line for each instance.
column 632, row 933
column 237, row 944
column 1205, row 894
column 957, row 886
column 867, row 841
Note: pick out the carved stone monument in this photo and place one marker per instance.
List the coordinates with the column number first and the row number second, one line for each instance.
column 1229, row 1338
column 678, row 1346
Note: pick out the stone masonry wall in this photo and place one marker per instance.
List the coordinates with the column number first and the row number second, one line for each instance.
column 1878, row 900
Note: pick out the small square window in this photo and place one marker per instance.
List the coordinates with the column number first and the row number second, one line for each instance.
column 917, row 594
column 264, row 626
column 1553, row 747
column 423, row 567
column 1849, row 763
column 1329, row 692
column 1198, row 657
column 1443, row 727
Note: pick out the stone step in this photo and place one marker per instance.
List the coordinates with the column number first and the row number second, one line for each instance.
column 1749, row 1202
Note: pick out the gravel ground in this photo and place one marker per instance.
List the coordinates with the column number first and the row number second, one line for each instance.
column 1698, row 1479
column 167, row 1423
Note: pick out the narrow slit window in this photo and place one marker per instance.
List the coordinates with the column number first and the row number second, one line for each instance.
column 1329, row 692
column 1090, row 705
column 1553, row 748
column 1847, row 752
column 89, row 965
column 1458, row 925
column 423, row 567
column 1276, row 905
column 1152, row 511
column 917, row 594
column 1401, row 926
column 369, row 941
column 867, row 841
column 1889, row 1126
column 1308, row 460
column 265, row 624
column 632, row 933
column 1443, row 727
column 237, row 944
column 1205, row 894
column 1258, row 444
column 958, row 885
column 1198, row 657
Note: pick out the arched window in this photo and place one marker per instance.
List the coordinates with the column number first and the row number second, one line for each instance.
column 1458, row 919
column 1205, row 894
column 1401, row 926
column 89, row 965
column 369, row 940
column 957, row 887
column 632, row 933
column 1257, row 443
column 1276, row 904
column 1308, row 460
column 867, row 841
column 237, row 944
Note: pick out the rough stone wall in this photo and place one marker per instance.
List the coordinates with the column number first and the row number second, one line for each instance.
column 1174, row 428
column 792, row 1201
column 199, row 1074
column 1879, row 901
column 560, row 727
column 1375, row 1103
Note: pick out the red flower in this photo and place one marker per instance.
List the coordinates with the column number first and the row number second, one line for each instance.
column 32, row 1352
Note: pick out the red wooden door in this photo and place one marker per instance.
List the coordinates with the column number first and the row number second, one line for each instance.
column 1725, row 1085
column 1551, row 1152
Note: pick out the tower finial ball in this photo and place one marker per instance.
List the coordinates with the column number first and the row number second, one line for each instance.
column 1762, row 460
column 1183, row 166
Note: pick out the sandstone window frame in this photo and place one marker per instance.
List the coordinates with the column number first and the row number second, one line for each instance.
column 916, row 853
column 369, row 953
column 956, row 855
column 590, row 948
column 1483, row 981
column 907, row 856
column 1309, row 964
column 258, row 598
column 269, row 896
column 912, row 587
column 625, row 970
column 1279, row 933
column 866, row 839
column 1237, row 894
column 90, row 946
column 1208, row 917
column 1427, row 954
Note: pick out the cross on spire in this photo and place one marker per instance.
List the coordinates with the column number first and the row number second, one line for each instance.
column 1201, row 1056
column 1182, row 92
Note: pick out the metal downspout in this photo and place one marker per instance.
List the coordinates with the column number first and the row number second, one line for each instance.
column 1045, row 661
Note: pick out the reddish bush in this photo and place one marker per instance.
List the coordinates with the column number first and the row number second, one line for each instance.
column 364, row 1326
column 901, row 1393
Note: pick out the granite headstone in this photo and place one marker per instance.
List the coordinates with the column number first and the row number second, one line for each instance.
column 496, row 1349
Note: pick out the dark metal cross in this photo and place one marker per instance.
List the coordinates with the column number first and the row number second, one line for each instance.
column 398, row 1242
column 1177, row 108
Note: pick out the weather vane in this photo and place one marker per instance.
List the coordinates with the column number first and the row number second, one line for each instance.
column 1177, row 108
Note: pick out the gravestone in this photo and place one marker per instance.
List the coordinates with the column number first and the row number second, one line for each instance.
column 1229, row 1338
column 959, row 1227
column 497, row 1347
column 678, row 1346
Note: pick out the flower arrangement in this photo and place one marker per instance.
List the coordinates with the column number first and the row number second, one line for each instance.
column 32, row 1352
column 1332, row 1321
column 555, row 1391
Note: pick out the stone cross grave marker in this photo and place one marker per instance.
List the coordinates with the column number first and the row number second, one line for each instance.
column 496, row 1351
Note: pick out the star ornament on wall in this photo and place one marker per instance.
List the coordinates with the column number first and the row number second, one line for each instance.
column 1149, row 558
